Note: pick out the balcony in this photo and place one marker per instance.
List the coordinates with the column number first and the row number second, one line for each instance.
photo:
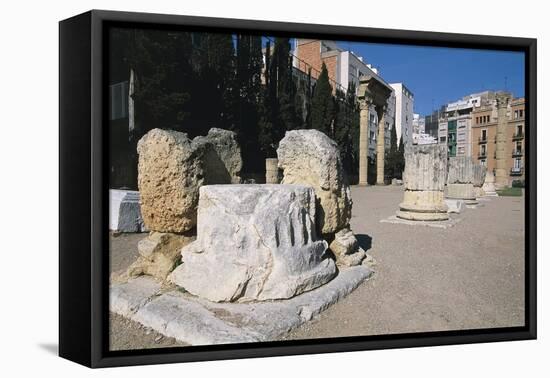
column 518, row 136
column 516, row 171
column 482, row 139
column 517, row 153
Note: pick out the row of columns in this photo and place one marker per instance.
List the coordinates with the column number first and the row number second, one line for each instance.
column 364, row 121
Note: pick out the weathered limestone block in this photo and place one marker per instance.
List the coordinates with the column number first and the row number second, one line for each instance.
column 159, row 254
column 254, row 242
column 171, row 170
column 346, row 249
column 460, row 181
column 225, row 164
column 271, row 171
column 489, row 185
column 124, row 211
column 424, row 181
column 479, row 177
column 309, row 157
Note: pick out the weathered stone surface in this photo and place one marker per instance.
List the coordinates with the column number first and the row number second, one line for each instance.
column 200, row 322
column 225, row 163
column 464, row 192
column 460, row 181
column 346, row 249
column 171, row 170
column 424, row 181
column 271, row 171
column 461, row 170
column 254, row 242
column 479, row 175
column 455, row 205
column 159, row 254
column 309, row 157
column 489, row 185
column 124, row 211
column 126, row 298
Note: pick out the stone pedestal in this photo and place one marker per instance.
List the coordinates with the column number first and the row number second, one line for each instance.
column 124, row 211
column 254, row 242
column 424, row 181
column 460, row 180
column 479, row 178
column 271, row 171
column 489, row 185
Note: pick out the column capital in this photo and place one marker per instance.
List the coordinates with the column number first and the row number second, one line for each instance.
column 365, row 102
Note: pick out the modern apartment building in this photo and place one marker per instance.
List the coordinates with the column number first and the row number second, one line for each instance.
column 404, row 103
column 345, row 67
column 455, row 122
column 484, row 130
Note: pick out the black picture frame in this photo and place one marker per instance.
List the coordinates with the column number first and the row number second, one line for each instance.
column 83, row 196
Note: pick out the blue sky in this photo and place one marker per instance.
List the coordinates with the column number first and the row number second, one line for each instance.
column 438, row 75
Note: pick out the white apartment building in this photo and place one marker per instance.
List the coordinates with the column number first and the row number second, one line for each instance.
column 404, row 103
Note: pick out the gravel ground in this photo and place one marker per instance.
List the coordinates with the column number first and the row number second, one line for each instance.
column 427, row 279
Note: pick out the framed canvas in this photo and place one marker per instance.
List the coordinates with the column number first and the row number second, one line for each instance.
column 236, row 188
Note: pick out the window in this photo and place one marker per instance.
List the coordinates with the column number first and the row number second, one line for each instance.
column 517, row 164
column 521, row 113
column 519, row 129
column 516, row 114
column 518, row 148
column 118, row 100
column 483, row 151
column 484, row 134
column 442, row 139
column 483, row 162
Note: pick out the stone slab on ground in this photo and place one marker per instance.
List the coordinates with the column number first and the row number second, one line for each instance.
column 436, row 224
column 197, row 321
column 455, row 205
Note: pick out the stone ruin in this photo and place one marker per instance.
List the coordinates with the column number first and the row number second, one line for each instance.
column 480, row 172
column 309, row 157
column 271, row 171
column 489, row 184
column 460, row 180
column 254, row 242
column 424, row 183
column 171, row 169
column 250, row 261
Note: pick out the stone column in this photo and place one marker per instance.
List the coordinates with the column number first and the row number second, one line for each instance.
column 424, row 182
column 364, row 106
column 489, row 184
column 479, row 178
column 380, row 145
column 501, row 173
column 271, row 171
column 460, row 180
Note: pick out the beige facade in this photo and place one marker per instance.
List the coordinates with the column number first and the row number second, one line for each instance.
column 484, row 138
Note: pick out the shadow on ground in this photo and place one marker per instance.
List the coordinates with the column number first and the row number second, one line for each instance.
column 51, row 348
column 365, row 241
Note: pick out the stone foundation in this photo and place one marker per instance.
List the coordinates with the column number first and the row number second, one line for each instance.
column 465, row 192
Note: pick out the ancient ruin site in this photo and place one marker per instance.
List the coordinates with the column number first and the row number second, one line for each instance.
column 309, row 256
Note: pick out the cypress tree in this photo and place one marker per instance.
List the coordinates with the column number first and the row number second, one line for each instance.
column 248, row 88
column 322, row 104
column 162, row 65
column 391, row 165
